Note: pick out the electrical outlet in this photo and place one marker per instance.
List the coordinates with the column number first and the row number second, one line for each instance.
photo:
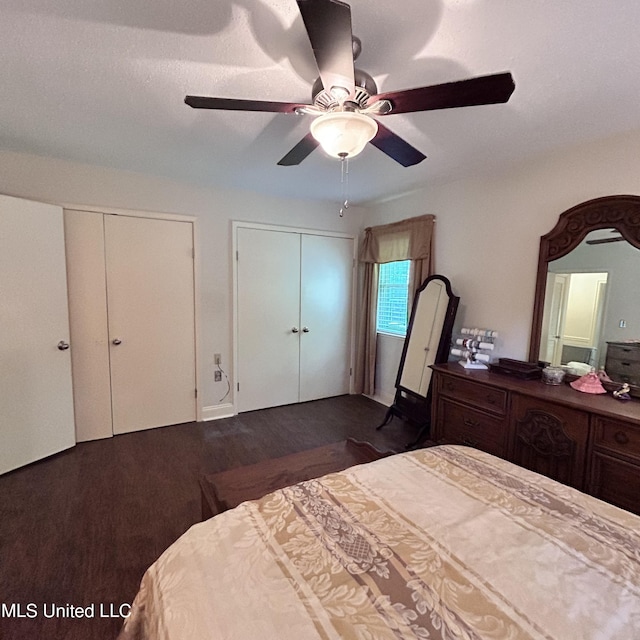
column 217, row 359
column 217, row 376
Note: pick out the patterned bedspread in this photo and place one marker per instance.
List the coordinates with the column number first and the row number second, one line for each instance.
column 446, row 542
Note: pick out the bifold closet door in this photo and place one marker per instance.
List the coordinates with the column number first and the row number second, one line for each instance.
column 87, row 282
column 325, row 316
column 293, row 317
column 150, row 297
column 131, row 309
column 268, row 303
column 36, row 402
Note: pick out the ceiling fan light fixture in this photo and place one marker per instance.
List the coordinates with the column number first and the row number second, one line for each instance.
column 343, row 134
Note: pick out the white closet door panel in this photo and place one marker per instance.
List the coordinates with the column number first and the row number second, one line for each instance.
column 36, row 402
column 425, row 337
column 325, row 311
column 150, row 293
column 268, row 310
column 84, row 239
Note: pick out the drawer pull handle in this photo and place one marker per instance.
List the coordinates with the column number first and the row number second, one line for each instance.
column 469, row 442
column 621, row 437
column 491, row 399
column 471, row 423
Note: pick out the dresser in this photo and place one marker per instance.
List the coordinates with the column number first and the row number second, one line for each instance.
column 590, row 442
column 623, row 361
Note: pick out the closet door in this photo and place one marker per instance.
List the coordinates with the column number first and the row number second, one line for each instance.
column 293, row 317
column 87, row 283
column 268, row 317
column 325, row 316
column 36, row 403
column 150, row 294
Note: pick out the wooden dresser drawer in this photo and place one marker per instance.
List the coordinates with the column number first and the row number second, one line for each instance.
column 617, row 436
column 625, row 353
column 624, row 370
column 462, row 425
column 473, row 393
column 615, row 481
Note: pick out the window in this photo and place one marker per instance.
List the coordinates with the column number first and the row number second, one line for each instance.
column 393, row 295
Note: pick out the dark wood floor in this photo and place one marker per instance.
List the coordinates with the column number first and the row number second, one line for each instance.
column 81, row 527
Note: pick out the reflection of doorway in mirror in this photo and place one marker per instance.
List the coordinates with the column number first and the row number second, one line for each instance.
column 572, row 321
column 553, row 320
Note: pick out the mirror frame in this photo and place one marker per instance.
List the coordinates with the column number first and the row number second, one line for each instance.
column 444, row 342
column 408, row 404
column 620, row 212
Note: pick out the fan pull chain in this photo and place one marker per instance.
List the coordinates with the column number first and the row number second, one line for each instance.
column 344, row 180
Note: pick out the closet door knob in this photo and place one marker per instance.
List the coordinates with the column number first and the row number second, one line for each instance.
column 294, row 330
column 305, row 329
column 62, row 345
column 116, row 341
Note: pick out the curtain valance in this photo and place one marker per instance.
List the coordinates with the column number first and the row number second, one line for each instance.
column 408, row 239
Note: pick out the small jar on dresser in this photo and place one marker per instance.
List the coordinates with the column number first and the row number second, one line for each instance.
column 590, row 442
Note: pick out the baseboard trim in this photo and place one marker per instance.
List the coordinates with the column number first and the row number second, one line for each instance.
column 216, row 412
column 385, row 400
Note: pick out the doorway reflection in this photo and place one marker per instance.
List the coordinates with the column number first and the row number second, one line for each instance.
column 572, row 323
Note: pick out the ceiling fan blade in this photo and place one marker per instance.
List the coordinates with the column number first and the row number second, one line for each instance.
column 328, row 25
column 396, row 148
column 299, row 152
column 202, row 102
column 491, row 89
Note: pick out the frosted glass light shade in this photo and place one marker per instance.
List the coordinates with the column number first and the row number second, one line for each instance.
column 343, row 133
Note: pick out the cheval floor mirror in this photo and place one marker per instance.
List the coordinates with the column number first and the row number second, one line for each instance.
column 427, row 342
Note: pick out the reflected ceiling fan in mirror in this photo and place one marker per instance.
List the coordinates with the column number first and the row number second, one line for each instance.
column 607, row 240
column 345, row 99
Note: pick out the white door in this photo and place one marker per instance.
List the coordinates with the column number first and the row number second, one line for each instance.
column 36, row 402
column 87, row 285
column 325, row 316
column 268, row 317
column 584, row 309
column 555, row 303
column 294, row 309
column 150, row 293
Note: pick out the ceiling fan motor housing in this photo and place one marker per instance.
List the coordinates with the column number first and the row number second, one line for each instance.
column 365, row 87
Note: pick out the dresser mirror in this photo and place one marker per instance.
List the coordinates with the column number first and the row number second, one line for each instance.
column 587, row 299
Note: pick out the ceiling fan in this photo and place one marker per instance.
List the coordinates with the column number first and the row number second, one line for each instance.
column 345, row 99
column 614, row 238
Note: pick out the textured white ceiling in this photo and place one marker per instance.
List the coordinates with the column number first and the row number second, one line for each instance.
column 103, row 82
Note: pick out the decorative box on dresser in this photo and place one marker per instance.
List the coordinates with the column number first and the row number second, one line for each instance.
column 590, row 442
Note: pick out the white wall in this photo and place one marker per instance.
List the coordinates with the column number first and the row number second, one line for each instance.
column 488, row 229
column 486, row 242
column 61, row 182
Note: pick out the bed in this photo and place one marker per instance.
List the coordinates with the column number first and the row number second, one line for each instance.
column 440, row 543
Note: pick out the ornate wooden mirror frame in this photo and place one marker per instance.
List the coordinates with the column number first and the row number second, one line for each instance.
column 621, row 212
